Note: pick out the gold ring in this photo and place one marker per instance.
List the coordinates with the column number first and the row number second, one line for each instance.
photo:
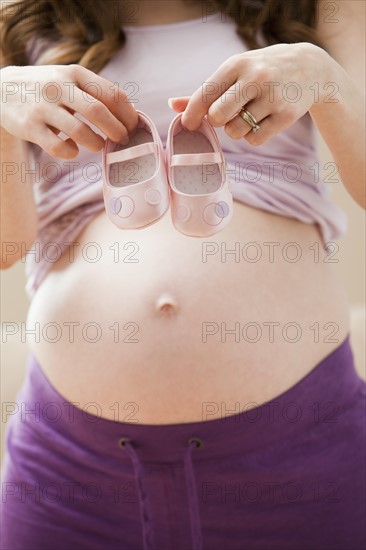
column 250, row 119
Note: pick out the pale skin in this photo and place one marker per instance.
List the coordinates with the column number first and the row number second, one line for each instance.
column 342, row 124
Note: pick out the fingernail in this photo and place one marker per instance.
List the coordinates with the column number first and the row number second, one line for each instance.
column 170, row 101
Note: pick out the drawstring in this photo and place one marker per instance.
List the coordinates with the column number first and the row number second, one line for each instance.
column 192, row 494
column 147, row 531
column 145, row 512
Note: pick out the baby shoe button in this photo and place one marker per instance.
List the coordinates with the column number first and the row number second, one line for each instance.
column 183, row 213
column 152, row 196
column 128, row 206
column 115, row 205
column 222, row 209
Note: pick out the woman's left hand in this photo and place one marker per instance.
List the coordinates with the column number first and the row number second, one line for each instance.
column 276, row 84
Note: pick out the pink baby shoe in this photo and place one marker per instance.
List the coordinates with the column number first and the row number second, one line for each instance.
column 201, row 203
column 135, row 185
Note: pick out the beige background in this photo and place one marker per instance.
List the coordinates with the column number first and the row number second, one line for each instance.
column 351, row 269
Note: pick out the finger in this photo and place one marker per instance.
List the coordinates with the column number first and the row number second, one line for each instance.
column 54, row 145
column 269, row 127
column 98, row 114
column 231, row 102
column 237, row 127
column 178, row 104
column 210, row 91
column 110, row 95
column 76, row 129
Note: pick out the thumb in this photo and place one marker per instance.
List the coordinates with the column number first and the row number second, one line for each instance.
column 178, row 104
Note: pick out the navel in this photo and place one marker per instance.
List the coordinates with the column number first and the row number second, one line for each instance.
column 167, row 305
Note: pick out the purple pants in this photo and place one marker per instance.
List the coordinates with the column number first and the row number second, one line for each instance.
column 287, row 474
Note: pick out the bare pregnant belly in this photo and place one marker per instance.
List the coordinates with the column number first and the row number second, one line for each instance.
column 155, row 327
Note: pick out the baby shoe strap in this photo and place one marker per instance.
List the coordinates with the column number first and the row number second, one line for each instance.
column 197, row 158
column 132, row 152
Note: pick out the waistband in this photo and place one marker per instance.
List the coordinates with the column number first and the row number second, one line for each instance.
column 320, row 396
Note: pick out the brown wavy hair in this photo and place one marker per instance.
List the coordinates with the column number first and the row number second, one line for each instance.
column 89, row 32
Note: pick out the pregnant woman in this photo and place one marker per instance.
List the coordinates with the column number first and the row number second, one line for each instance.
column 183, row 392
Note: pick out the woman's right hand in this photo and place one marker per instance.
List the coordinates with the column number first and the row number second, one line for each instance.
column 60, row 92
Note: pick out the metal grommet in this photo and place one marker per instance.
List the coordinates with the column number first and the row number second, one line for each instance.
column 123, row 441
column 197, row 441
